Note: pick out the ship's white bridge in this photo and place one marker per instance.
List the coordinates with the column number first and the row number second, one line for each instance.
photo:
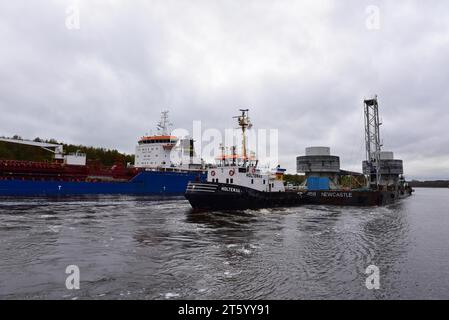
column 165, row 150
column 154, row 151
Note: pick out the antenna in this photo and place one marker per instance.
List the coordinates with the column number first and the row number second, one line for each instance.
column 244, row 123
column 164, row 124
column 234, row 154
column 222, row 157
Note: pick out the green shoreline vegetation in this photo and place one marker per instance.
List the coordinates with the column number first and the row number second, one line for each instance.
column 346, row 181
column 429, row 184
column 107, row 157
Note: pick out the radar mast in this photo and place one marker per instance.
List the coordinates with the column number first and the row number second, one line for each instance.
column 244, row 123
column 164, row 124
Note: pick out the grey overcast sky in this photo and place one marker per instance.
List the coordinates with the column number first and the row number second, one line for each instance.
column 302, row 67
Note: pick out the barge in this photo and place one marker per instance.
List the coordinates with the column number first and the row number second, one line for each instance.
column 381, row 183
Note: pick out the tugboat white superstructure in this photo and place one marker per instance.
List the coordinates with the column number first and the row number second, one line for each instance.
column 236, row 183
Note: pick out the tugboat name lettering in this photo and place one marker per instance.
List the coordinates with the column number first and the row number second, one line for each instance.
column 228, row 189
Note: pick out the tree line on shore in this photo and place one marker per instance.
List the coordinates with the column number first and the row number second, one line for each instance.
column 357, row 182
column 107, row 157
column 429, row 184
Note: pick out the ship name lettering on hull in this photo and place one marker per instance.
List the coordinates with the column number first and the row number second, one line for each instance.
column 228, row 189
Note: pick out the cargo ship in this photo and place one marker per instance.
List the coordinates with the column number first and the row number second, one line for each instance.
column 236, row 182
column 153, row 173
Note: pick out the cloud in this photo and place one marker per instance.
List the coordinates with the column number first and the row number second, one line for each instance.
column 302, row 67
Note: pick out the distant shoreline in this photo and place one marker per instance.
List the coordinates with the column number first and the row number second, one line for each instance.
column 430, row 184
column 420, row 187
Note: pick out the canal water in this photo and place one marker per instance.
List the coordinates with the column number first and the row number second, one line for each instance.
column 141, row 248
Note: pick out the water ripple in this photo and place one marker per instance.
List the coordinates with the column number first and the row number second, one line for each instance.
column 144, row 248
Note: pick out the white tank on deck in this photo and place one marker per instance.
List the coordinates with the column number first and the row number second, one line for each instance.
column 390, row 168
column 75, row 159
column 318, row 161
column 386, row 155
column 318, row 151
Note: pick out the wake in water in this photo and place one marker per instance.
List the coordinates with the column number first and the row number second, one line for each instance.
column 137, row 248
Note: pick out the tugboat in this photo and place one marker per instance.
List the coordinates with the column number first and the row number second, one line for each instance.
column 236, row 183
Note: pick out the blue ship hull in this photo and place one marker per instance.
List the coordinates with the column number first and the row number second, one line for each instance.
column 155, row 183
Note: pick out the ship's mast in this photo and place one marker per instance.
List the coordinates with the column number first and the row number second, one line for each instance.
column 234, row 154
column 372, row 139
column 163, row 125
column 223, row 154
column 244, row 124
